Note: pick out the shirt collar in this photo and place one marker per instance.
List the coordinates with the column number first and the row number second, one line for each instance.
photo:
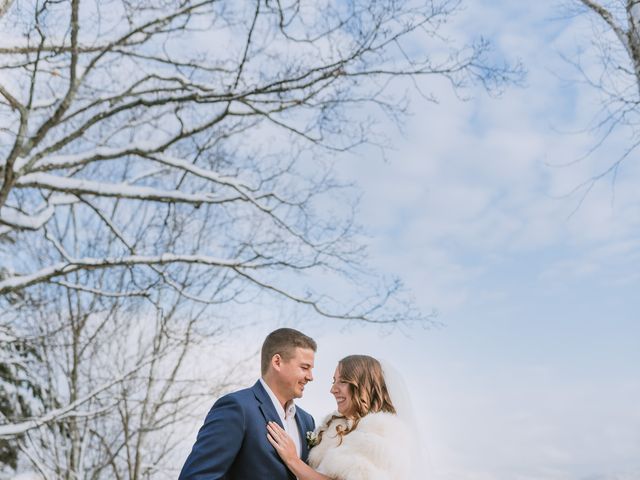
column 284, row 413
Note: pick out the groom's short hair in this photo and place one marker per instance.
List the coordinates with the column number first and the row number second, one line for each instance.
column 284, row 341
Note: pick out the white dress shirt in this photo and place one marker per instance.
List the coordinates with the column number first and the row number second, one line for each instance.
column 287, row 416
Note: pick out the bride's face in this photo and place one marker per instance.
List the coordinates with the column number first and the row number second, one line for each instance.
column 342, row 393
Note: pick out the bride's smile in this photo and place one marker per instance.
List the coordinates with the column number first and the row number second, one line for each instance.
column 341, row 390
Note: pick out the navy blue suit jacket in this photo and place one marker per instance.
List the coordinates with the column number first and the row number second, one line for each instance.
column 232, row 444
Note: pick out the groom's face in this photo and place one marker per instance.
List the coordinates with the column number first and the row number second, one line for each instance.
column 296, row 372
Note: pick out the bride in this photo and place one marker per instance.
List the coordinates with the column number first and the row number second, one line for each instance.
column 364, row 440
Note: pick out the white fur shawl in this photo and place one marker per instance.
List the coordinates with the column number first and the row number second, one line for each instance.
column 378, row 449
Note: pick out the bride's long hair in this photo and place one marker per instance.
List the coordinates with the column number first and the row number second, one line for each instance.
column 368, row 390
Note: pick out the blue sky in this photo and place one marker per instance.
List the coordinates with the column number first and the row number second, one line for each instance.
column 535, row 373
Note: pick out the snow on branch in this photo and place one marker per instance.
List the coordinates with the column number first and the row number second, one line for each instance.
column 143, row 150
column 120, row 190
column 64, row 268
column 16, row 219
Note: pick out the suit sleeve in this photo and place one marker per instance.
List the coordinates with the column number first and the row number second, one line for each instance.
column 218, row 442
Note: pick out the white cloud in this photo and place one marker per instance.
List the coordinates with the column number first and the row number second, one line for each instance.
column 532, row 378
column 523, row 383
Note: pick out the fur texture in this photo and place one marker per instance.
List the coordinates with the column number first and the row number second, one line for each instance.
column 378, row 449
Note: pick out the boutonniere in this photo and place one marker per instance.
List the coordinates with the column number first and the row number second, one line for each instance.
column 312, row 439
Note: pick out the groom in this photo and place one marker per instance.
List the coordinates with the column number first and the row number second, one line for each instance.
column 232, row 444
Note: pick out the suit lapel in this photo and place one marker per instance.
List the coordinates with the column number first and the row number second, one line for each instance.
column 268, row 412
column 266, row 405
column 302, row 430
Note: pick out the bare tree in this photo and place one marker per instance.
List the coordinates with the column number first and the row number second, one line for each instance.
column 119, row 107
column 163, row 162
column 616, row 45
column 117, row 390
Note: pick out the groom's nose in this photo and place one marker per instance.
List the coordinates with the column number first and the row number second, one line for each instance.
column 309, row 376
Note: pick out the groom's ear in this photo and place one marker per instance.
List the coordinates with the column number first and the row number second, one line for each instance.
column 276, row 361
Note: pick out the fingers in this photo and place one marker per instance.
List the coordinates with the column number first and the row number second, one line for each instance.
column 276, row 427
column 273, row 431
column 275, row 434
column 272, row 441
